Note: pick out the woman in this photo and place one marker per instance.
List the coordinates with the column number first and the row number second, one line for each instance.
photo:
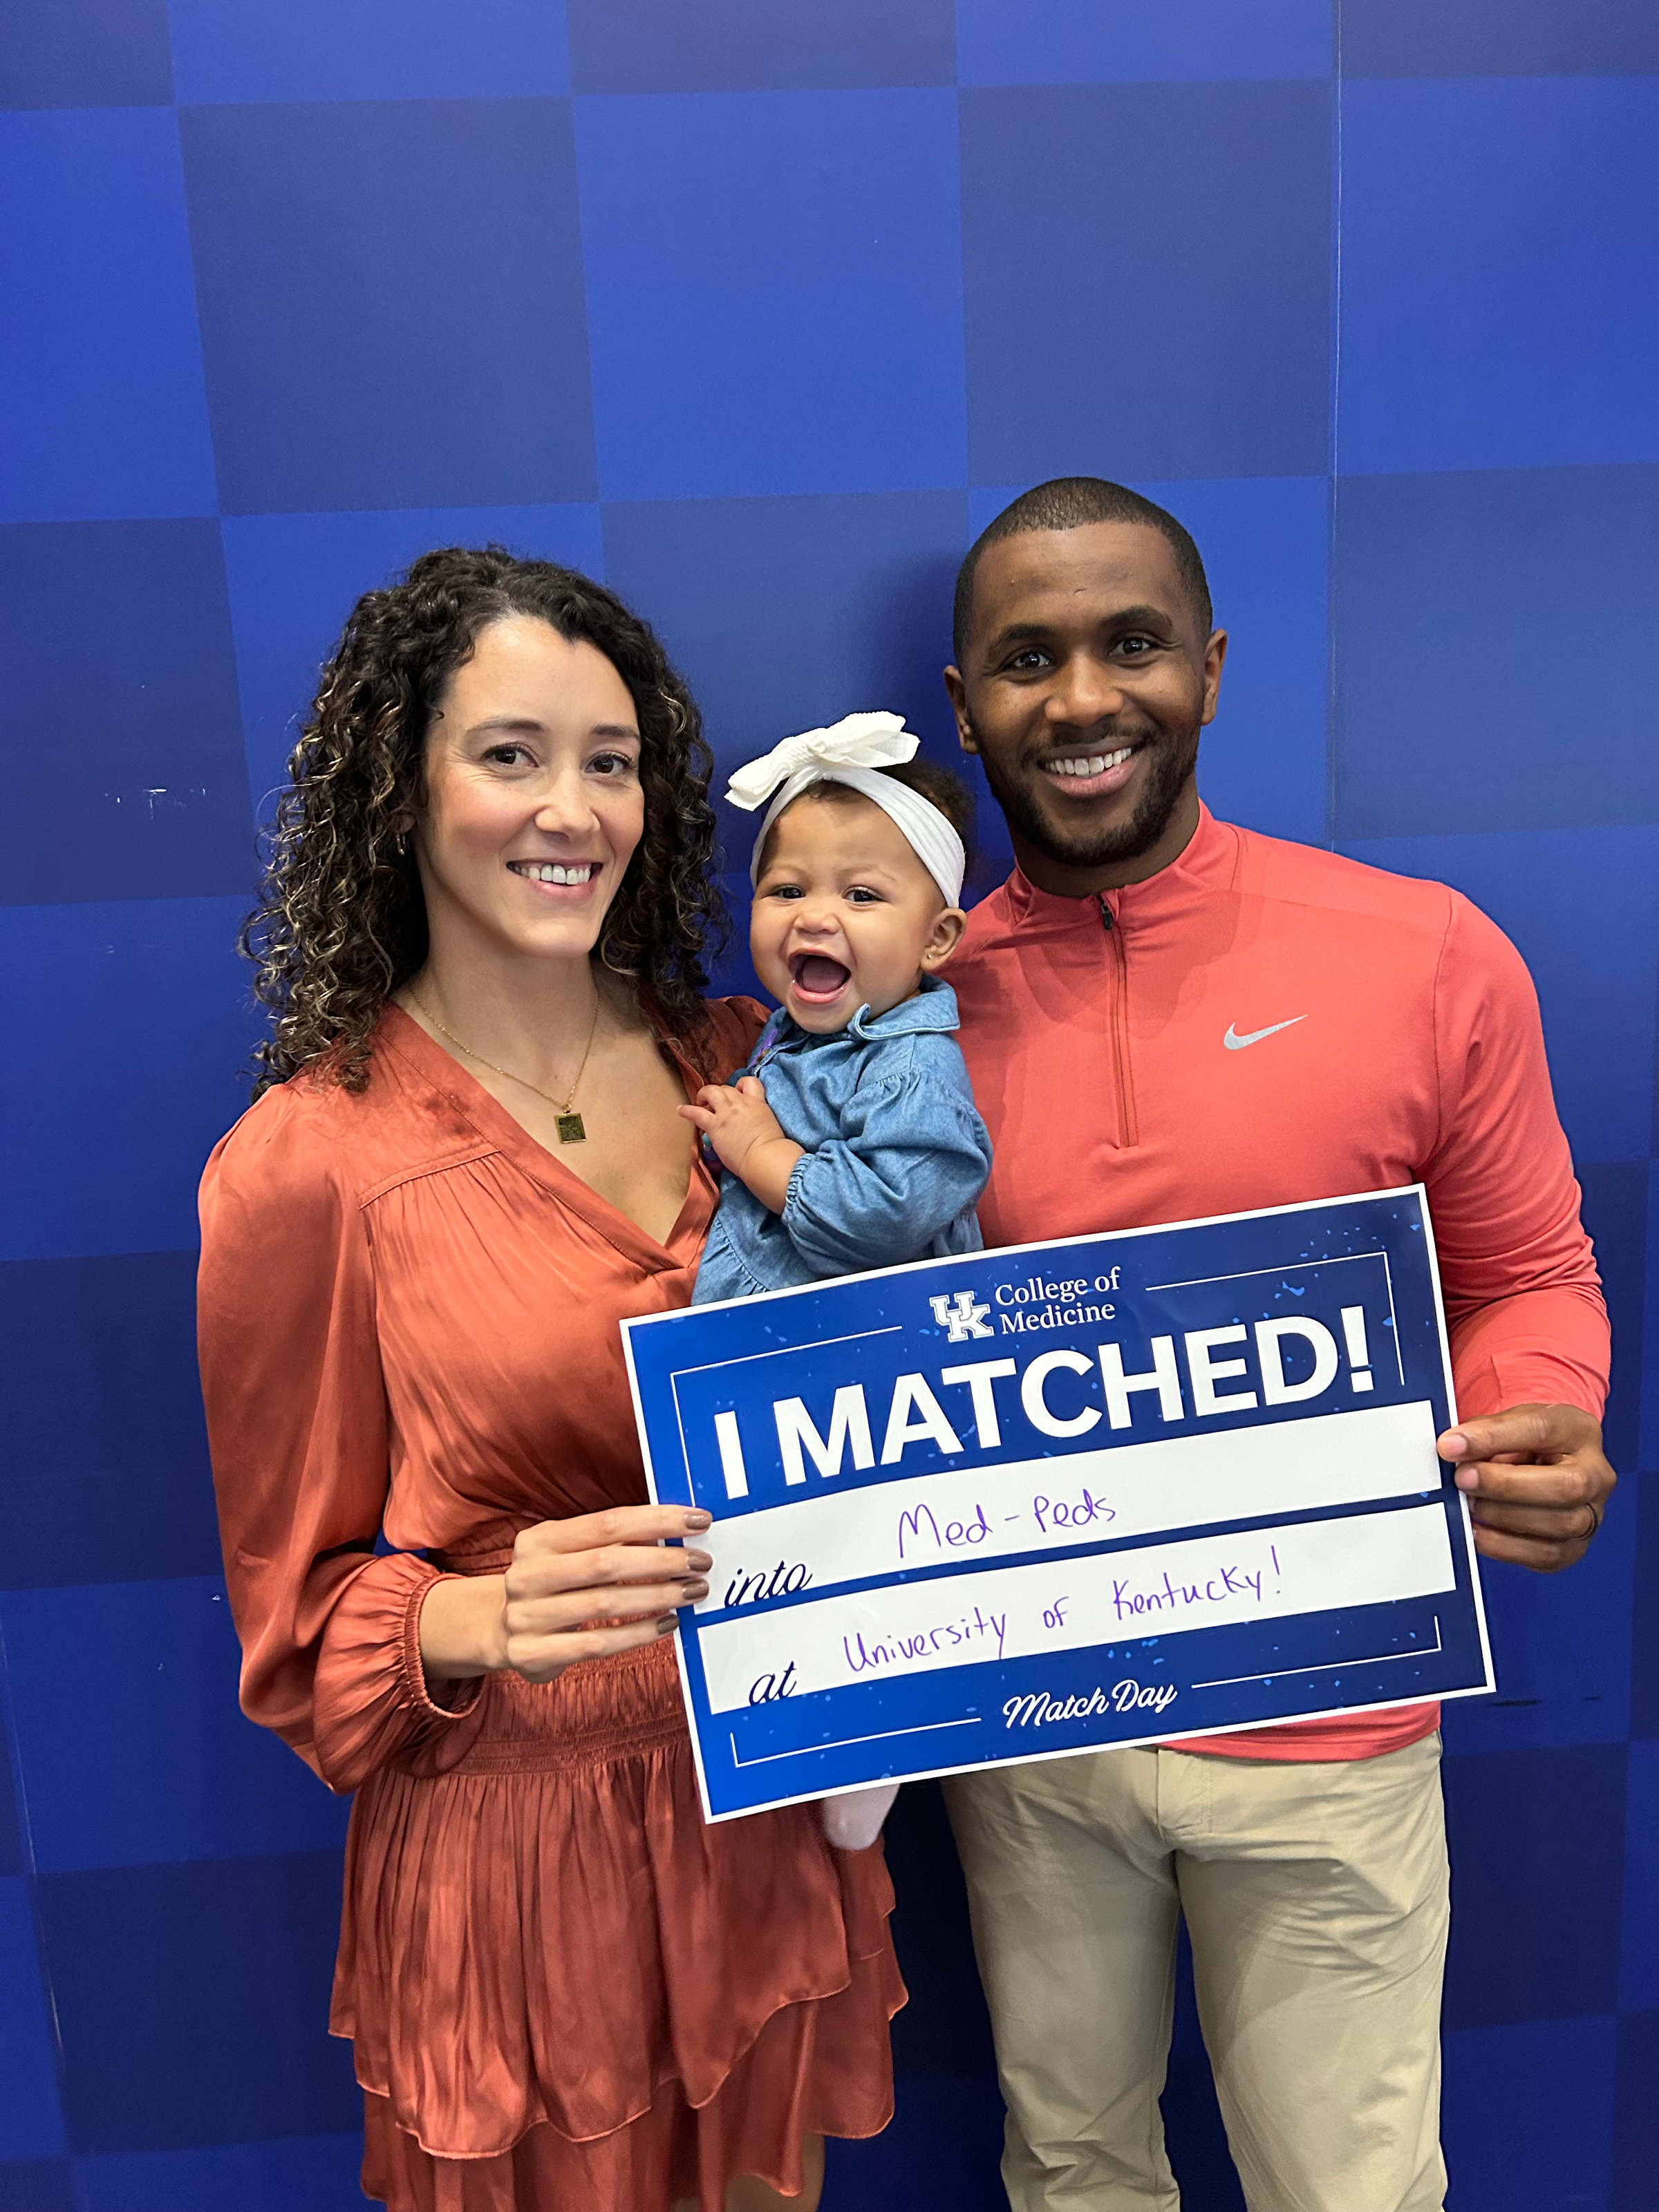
column 480, row 940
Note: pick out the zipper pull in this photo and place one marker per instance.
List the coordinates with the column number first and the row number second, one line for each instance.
column 1105, row 913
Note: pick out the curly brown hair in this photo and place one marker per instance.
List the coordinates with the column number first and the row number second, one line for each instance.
column 341, row 922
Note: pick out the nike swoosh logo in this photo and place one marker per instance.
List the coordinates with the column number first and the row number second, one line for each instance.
column 1234, row 1042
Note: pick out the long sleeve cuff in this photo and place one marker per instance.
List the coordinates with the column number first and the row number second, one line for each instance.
column 373, row 1704
column 1548, row 1346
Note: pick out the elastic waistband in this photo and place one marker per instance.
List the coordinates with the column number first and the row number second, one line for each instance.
column 619, row 1707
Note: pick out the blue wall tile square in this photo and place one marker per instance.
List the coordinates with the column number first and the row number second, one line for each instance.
column 1560, row 1648
column 1140, row 41
column 294, row 579
column 1087, row 350
column 987, row 502
column 730, row 969
column 192, row 2002
column 1498, row 38
column 298, row 2173
column 41, row 2184
column 1488, row 627
column 12, row 1857
column 31, row 2126
column 946, row 2031
column 98, row 1373
column 1477, row 331
column 119, row 632
column 758, row 46
column 1640, row 1499
column 1506, row 2144
column 1616, row 1217
column 1638, row 1981
column 156, row 989
column 391, row 297
column 1514, row 1821
column 783, row 614
column 1648, row 1446
column 774, row 292
column 367, row 50
column 1561, row 1643
column 1595, row 982
column 1265, row 541
column 153, row 1760
column 86, row 53
column 1635, row 2113
column 1195, row 2135
column 103, row 410
column 941, row 2147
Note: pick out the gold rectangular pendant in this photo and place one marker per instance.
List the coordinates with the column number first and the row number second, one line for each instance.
column 570, row 1129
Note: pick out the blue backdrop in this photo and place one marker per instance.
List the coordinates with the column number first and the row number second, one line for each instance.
column 760, row 309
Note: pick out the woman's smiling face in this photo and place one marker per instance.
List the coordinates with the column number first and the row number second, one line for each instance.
column 534, row 804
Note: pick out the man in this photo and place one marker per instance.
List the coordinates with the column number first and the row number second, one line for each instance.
column 1166, row 1017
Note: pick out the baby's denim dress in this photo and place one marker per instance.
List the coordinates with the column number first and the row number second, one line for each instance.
column 896, row 1157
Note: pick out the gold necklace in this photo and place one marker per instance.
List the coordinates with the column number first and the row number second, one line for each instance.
column 569, row 1126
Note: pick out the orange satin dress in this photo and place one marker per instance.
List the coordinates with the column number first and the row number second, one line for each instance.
column 564, row 1990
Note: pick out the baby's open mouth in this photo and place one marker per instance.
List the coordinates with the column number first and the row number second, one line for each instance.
column 817, row 978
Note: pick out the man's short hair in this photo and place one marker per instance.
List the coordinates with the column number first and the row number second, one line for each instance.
column 1069, row 503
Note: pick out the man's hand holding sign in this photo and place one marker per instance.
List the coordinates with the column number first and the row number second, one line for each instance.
column 1537, row 1480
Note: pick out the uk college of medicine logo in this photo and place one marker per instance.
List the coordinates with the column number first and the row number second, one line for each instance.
column 960, row 1316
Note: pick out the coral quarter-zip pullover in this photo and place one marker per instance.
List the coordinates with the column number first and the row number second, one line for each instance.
column 1262, row 1023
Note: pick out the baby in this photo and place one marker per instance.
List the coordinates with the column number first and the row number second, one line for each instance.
column 850, row 1141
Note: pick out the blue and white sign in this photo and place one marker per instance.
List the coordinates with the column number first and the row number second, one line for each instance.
column 1111, row 1490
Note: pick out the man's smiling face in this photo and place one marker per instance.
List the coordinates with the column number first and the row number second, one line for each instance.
column 1085, row 682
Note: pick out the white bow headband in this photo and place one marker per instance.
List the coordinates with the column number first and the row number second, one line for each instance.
column 853, row 751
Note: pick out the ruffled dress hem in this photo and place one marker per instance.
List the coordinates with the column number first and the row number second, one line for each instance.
column 894, row 1999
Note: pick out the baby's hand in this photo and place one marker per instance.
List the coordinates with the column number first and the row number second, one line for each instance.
column 734, row 1119
column 746, row 1137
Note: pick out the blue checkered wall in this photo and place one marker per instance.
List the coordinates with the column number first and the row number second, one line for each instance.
column 759, row 308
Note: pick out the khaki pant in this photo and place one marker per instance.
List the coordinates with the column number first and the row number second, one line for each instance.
column 1315, row 1896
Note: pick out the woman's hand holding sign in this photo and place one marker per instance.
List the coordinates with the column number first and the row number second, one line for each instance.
column 1537, row 1482
column 581, row 1589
